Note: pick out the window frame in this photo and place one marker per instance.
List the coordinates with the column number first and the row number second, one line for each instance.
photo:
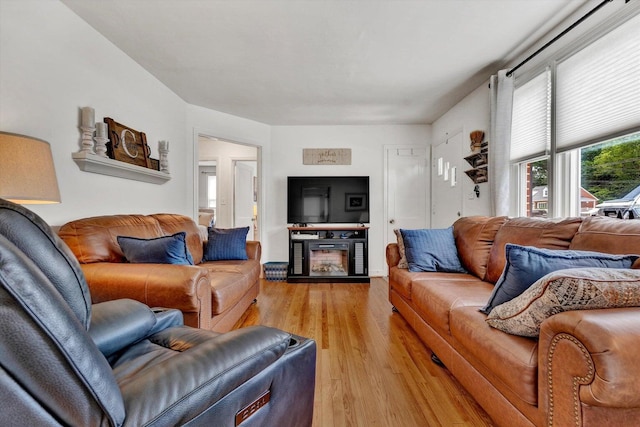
column 563, row 174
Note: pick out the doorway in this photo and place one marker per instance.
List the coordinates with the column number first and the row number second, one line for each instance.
column 235, row 174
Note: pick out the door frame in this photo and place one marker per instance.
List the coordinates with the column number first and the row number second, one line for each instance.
column 197, row 133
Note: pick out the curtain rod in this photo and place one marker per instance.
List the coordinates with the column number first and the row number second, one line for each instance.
column 556, row 38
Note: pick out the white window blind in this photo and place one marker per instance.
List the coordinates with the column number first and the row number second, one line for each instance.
column 598, row 88
column 531, row 118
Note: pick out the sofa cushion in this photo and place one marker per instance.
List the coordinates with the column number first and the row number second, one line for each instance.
column 174, row 223
column 226, row 244
column 509, row 362
column 538, row 232
column 159, row 250
column 611, row 235
column 436, row 296
column 401, row 280
column 526, row 264
column 564, row 290
column 230, row 281
column 431, row 250
column 95, row 239
column 474, row 238
column 403, row 256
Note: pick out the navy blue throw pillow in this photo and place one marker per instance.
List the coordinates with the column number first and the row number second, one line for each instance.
column 160, row 250
column 431, row 250
column 526, row 264
column 226, row 244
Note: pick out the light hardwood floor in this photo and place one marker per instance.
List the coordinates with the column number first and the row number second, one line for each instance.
column 372, row 370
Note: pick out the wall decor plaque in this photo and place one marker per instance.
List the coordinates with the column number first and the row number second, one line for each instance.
column 326, row 156
column 128, row 145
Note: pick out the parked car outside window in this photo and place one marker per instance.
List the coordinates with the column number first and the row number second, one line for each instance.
column 627, row 207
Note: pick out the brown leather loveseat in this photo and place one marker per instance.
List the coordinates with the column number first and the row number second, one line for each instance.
column 211, row 294
column 582, row 369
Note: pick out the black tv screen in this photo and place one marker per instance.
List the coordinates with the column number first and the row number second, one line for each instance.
column 327, row 199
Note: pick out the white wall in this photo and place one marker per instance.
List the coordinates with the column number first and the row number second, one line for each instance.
column 472, row 113
column 51, row 64
column 367, row 156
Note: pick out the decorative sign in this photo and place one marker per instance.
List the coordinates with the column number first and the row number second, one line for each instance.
column 128, row 145
column 326, row 156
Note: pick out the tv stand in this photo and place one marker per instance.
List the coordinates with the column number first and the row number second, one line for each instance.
column 328, row 254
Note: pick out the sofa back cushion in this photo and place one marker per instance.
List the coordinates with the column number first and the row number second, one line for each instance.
column 173, row 223
column 538, row 232
column 610, row 235
column 474, row 237
column 95, row 239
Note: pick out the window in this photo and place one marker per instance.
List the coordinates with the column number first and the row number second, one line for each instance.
column 610, row 178
column 534, row 191
column 575, row 128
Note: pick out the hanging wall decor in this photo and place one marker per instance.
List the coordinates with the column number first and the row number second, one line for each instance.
column 326, row 156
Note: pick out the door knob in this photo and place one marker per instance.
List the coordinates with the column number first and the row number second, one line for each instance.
column 392, row 221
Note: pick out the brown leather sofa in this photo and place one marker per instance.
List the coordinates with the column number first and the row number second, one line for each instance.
column 211, row 295
column 582, row 370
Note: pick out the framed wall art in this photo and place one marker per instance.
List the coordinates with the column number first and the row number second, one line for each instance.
column 128, row 145
column 355, row 202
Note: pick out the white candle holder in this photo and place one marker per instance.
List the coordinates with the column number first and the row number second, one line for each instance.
column 163, row 149
column 101, row 146
column 87, row 139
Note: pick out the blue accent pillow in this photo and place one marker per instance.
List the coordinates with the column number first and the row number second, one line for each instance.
column 526, row 264
column 160, row 250
column 431, row 250
column 226, row 244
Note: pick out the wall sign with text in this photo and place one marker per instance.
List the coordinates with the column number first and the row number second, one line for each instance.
column 326, row 156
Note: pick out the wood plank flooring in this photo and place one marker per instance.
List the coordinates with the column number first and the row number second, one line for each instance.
column 372, row 370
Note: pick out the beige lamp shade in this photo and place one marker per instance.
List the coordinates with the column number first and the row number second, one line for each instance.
column 27, row 174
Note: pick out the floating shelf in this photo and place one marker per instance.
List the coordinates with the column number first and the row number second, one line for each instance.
column 478, row 175
column 478, row 159
column 94, row 163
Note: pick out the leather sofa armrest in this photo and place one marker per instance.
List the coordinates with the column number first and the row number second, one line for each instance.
column 588, row 357
column 393, row 254
column 254, row 249
column 183, row 287
column 120, row 323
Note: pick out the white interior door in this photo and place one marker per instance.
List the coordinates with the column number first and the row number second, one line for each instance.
column 407, row 183
column 243, row 195
column 447, row 166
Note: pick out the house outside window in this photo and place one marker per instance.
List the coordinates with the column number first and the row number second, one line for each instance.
column 576, row 128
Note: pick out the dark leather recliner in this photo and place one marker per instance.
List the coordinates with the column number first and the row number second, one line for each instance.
column 64, row 361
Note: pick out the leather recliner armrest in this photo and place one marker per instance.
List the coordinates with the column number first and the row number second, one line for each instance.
column 166, row 318
column 118, row 324
column 209, row 365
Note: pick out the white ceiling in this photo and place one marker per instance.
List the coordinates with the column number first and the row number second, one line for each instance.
column 306, row 62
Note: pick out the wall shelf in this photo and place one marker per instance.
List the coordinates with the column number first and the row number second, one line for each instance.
column 479, row 162
column 94, row 163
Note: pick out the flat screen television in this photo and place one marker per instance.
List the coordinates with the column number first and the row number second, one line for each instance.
column 327, row 199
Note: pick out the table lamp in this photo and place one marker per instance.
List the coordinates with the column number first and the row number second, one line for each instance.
column 27, row 174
